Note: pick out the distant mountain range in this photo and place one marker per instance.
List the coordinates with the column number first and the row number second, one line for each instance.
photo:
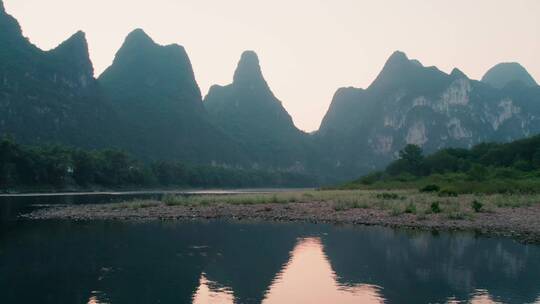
column 148, row 102
column 412, row 104
column 152, row 90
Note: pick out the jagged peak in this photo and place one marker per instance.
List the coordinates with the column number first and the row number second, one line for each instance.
column 8, row 23
column 138, row 37
column 136, row 42
column 79, row 35
column 142, row 65
column 399, row 60
column 215, row 87
column 416, row 62
column 138, row 33
column 344, row 95
column 78, row 39
column 250, row 56
column 177, row 48
column 248, row 70
column 75, row 46
column 344, row 91
column 73, row 52
column 396, row 69
column 507, row 72
column 457, row 73
column 398, row 56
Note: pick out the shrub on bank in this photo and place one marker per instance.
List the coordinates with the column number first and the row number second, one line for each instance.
column 486, row 168
column 388, row 196
column 477, row 206
column 447, row 193
column 430, row 188
column 435, row 207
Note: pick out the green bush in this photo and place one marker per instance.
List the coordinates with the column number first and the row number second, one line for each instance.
column 506, row 173
column 457, row 215
column 448, row 193
column 477, row 172
column 396, row 210
column 486, row 168
column 430, row 188
column 477, row 206
column 388, row 196
column 411, row 208
column 370, row 179
column 436, row 207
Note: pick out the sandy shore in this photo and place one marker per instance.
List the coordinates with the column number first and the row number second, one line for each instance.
column 522, row 223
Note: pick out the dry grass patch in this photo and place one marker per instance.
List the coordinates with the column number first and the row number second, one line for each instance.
column 135, row 204
column 395, row 203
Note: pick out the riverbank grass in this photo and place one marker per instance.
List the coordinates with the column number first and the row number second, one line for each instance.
column 454, row 206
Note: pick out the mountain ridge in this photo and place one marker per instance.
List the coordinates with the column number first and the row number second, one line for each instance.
column 412, row 104
column 247, row 109
column 55, row 90
column 153, row 88
column 149, row 103
column 505, row 73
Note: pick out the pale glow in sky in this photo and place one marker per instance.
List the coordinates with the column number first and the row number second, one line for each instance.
column 308, row 48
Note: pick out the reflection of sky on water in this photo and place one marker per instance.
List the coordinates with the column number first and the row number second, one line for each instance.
column 211, row 292
column 309, row 278
column 306, row 278
column 97, row 297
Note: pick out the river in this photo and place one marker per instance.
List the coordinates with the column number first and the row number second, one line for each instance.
column 250, row 262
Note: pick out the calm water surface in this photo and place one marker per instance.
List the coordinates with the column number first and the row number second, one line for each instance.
column 249, row 262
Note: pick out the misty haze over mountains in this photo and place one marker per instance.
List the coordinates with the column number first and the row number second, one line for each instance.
column 148, row 103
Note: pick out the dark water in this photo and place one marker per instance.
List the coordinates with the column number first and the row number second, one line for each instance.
column 248, row 262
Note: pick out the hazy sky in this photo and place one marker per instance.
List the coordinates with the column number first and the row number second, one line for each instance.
column 307, row 48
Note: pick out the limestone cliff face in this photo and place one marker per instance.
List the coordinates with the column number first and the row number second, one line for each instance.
column 412, row 104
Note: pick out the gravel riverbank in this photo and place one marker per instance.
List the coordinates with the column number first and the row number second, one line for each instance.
column 522, row 222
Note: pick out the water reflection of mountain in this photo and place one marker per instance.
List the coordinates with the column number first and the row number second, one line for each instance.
column 176, row 262
column 104, row 262
column 308, row 278
column 247, row 257
column 415, row 267
column 99, row 263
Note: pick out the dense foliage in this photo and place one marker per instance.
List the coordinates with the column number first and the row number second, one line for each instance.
column 488, row 167
column 61, row 167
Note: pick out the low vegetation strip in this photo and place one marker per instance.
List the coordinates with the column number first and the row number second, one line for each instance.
column 59, row 168
column 486, row 168
column 510, row 214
